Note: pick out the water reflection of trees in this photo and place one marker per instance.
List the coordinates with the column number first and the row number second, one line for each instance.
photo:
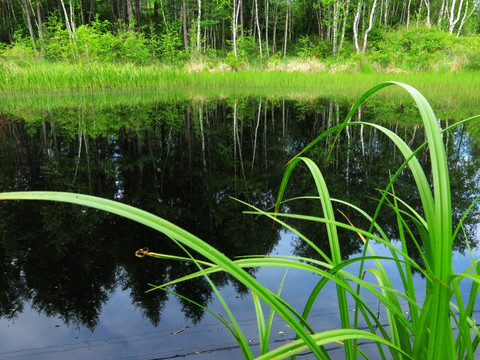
column 183, row 161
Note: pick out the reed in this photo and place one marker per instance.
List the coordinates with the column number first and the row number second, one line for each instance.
column 424, row 333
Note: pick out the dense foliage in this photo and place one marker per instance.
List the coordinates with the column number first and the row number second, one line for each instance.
column 408, row 35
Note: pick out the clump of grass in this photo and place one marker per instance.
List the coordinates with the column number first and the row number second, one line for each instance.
column 428, row 328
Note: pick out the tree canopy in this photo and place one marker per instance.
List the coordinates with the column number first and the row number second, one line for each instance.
column 229, row 28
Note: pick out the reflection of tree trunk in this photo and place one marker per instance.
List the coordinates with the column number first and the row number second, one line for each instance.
column 413, row 136
column 255, row 139
column 79, row 152
column 45, row 141
column 283, row 120
column 189, row 140
column 265, row 135
column 362, row 141
column 152, row 157
column 460, row 145
column 202, row 134
column 55, row 141
column 347, row 171
column 237, row 139
column 448, row 138
column 88, row 162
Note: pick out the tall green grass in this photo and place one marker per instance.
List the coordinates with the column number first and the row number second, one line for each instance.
column 55, row 77
column 441, row 327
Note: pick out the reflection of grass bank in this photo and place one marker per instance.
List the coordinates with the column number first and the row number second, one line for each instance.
column 26, row 88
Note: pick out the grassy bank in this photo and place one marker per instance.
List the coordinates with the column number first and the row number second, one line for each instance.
column 63, row 76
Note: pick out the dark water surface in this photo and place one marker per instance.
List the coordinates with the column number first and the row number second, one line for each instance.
column 71, row 287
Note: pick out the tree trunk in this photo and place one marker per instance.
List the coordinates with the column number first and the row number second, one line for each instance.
column 6, row 6
column 452, row 19
column 82, row 15
column 408, row 13
column 266, row 27
column 355, row 26
column 72, row 19
column 344, row 24
column 274, row 38
column 138, row 13
column 39, row 24
column 26, row 11
column 236, row 8
column 258, row 29
column 466, row 16
column 92, row 12
column 184, row 23
column 336, row 11
column 370, row 25
column 427, row 5
column 131, row 18
column 223, row 37
column 440, row 13
column 286, row 30
column 198, row 24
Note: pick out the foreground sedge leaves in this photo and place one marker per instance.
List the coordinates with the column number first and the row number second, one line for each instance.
column 429, row 326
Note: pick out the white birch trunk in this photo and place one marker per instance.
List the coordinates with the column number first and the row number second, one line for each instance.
column 355, row 26
column 336, row 10
column 344, row 24
column 452, row 19
column 258, row 29
column 466, row 17
column 427, row 4
column 286, row 31
column 440, row 13
column 370, row 25
column 198, row 24
column 408, row 13
column 266, row 27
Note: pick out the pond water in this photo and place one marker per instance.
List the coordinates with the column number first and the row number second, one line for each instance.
column 72, row 287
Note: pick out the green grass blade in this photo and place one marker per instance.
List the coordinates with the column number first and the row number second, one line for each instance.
column 181, row 236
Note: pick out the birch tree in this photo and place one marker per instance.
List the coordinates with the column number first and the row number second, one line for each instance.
column 355, row 25
column 454, row 16
column 199, row 17
column 370, row 25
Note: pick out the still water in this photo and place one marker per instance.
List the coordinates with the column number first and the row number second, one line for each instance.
column 71, row 286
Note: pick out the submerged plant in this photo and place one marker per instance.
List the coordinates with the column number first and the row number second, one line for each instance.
column 443, row 322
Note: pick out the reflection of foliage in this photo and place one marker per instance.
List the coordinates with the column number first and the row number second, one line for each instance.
column 182, row 161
